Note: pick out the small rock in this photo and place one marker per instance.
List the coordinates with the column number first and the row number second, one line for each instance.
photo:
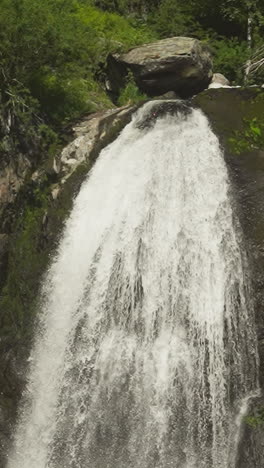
column 35, row 176
column 55, row 193
column 56, row 166
column 219, row 81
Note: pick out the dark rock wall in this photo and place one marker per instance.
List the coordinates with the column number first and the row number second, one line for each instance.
column 237, row 117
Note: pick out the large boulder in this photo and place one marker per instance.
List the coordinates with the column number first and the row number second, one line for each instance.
column 179, row 64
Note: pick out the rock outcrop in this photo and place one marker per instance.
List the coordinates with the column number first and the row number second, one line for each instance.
column 237, row 117
column 91, row 135
column 179, row 64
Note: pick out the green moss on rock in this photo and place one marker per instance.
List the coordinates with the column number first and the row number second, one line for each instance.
column 255, row 418
column 236, row 115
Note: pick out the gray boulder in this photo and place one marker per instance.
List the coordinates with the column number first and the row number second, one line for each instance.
column 219, row 81
column 179, row 64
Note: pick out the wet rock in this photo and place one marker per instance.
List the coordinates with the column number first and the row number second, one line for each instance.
column 179, row 64
column 160, row 109
column 234, row 114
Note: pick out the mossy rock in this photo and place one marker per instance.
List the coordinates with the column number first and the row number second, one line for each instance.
column 238, row 114
column 237, row 117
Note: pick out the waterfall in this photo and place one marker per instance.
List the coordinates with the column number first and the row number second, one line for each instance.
column 146, row 347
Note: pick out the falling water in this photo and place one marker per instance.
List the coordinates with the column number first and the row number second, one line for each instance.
column 146, row 349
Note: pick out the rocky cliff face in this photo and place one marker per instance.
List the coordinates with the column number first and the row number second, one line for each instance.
column 35, row 205
column 237, row 117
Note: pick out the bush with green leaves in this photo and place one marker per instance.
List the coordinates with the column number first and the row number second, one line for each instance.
column 230, row 56
column 130, row 94
column 172, row 18
column 55, row 50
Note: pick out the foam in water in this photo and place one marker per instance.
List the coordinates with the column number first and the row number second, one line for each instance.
column 146, row 347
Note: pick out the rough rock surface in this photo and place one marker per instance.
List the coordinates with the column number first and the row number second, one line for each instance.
column 219, row 81
column 12, row 176
column 179, row 64
column 89, row 134
column 237, row 117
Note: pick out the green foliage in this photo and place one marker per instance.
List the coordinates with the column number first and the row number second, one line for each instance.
column 21, row 128
column 255, row 130
column 114, row 31
column 27, row 261
column 55, row 50
column 256, row 419
column 173, row 18
column 252, row 137
column 131, row 94
column 230, row 56
column 62, row 98
column 127, row 7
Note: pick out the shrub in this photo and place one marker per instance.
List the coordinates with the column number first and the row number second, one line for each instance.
column 130, row 94
column 230, row 56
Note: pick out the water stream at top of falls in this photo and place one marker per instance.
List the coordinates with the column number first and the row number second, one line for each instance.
column 146, row 347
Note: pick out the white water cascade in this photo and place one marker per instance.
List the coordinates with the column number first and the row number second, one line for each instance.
column 146, row 348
